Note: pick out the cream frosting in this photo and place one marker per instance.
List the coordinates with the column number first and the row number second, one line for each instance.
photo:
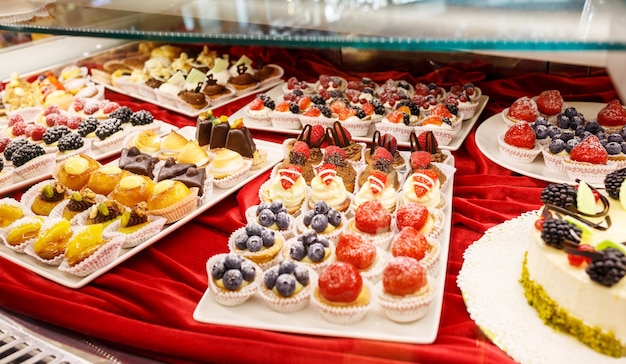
column 430, row 198
column 227, row 162
column 334, row 193
column 291, row 197
column 386, row 194
column 571, row 287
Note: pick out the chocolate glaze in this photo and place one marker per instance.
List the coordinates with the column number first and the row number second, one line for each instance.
column 142, row 165
column 193, row 177
column 240, row 140
column 203, row 131
column 219, row 133
column 172, row 169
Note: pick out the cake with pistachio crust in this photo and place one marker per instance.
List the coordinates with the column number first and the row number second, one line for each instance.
column 572, row 273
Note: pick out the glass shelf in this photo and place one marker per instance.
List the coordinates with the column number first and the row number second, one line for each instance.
column 437, row 25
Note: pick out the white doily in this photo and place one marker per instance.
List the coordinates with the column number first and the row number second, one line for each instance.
column 489, row 281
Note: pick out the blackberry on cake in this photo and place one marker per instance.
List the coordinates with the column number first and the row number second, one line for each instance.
column 71, row 141
column 87, row 126
column 613, row 182
column 141, row 117
column 123, row 113
column 27, row 153
column 12, row 146
column 107, row 128
column 53, row 134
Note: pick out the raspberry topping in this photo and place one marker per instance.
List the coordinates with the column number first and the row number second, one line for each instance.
column 410, row 243
column 403, row 276
column 372, row 218
column 590, row 150
column 412, row 214
column 353, row 248
column 520, row 135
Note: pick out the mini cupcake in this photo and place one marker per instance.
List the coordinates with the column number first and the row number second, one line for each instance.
column 336, row 156
column 411, row 243
column 103, row 213
column 49, row 245
column 258, row 112
column 423, row 186
column 310, row 249
column 406, row 290
column 373, row 221
column 361, row 252
column 524, row 109
column 443, row 128
column 287, row 287
column 329, row 188
column 89, row 250
column 553, row 155
column 428, row 222
column 377, row 187
column 258, row 244
column 232, row 279
column 273, row 216
column 518, row 143
column 299, row 156
column 397, row 123
column 287, row 186
column 589, row 161
column 323, row 219
column 341, row 295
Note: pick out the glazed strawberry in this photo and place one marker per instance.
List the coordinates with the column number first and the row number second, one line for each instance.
column 327, row 172
column 302, row 149
column 520, row 135
column 355, row 249
column 382, row 153
column 332, row 150
column 289, row 175
column 410, row 243
column 613, row 114
column 550, row 102
column 420, row 159
column 396, row 117
column 421, row 89
column 524, row 109
column 257, row 104
column 340, row 282
column 283, row 106
column 412, row 214
column 590, row 150
column 372, row 218
column 403, row 276
column 344, row 114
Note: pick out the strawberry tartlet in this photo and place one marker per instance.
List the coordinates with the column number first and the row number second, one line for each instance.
column 518, row 144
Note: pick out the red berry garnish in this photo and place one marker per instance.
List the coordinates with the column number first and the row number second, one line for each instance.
column 355, row 249
column 371, row 217
column 550, row 102
column 412, row 214
column 410, row 243
column 340, row 282
column 520, row 135
column 589, row 150
column 403, row 276
column 524, row 109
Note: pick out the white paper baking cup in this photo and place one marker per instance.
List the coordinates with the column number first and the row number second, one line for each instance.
column 406, row 308
column 230, row 298
column 99, row 259
column 290, row 304
column 343, row 315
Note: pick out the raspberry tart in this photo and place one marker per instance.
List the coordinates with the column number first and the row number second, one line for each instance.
column 428, row 222
column 360, row 251
column 374, row 221
column 411, row 243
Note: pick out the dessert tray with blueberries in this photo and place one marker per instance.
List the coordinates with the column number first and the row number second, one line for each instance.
column 364, row 107
column 337, row 246
column 574, row 140
column 86, row 217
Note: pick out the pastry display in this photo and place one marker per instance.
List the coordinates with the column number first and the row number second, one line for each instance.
column 232, row 279
column 406, row 290
column 75, row 171
column 572, row 271
column 342, row 296
column 287, row 286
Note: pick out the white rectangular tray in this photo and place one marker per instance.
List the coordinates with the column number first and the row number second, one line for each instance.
column 274, row 155
column 454, row 144
column 255, row 314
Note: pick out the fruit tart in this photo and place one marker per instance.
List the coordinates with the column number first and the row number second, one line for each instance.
column 232, row 279
column 373, row 220
column 518, row 144
column 273, row 216
column 258, row 244
column 308, row 248
column 287, row 286
column 20, row 233
column 75, row 171
column 89, row 250
column 342, row 296
column 323, row 219
column 612, row 116
column 258, row 112
column 51, row 240
column 550, row 104
column 589, row 161
column 361, row 252
column 406, row 290
column 228, row 168
column 329, row 188
column 136, row 225
column 44, row 196
column 428, row 222
column 411, row 243
column 287, row 186
column 10, row 210
column 524, row 109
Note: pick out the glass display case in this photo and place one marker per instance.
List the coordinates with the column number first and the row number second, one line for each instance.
column 583, row 32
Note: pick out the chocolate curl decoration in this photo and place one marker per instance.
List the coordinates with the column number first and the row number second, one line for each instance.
column 305, row 136
column 211, row 80
column 241, row 68
column 198, row 87
column 375, row 142
column 574, row 214
column 389, row 143
column 337, row 135
column 430, row 143
column 571, row 247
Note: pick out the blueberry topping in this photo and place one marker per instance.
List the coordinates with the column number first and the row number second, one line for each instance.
column 282, row 220
column 269, row 279
column 267, row 237
column 541, row 132
column 240, row 241
column 334, row 217
column 217, row 272
column 302, row 275
column 297, row 250
column 308, row 217
column 266, row 218
column 320, row 207
column 286, row 266
column 232, row 279
column 232, row 261
column 253, row 229
column 286, row 285
column 613, row 148
column 254, row 243
column 319, row 223
column 277, row 206
column 556, row 146
column 316, row 252
column 247, row 271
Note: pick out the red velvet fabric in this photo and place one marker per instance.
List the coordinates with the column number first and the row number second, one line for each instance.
column 145, row 305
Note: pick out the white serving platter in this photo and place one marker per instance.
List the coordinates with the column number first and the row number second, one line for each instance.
column 254, row 313
column 274, row 155
column 454, row 144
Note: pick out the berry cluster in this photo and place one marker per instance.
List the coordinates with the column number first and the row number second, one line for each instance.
column 613, row 182
column 233, row 270
column 555, row 231
column 320, row 216
column 269, row 214
column 608, row 268
column 309, row 245
column 254, row 238
column 285, row 277
column 559, row 194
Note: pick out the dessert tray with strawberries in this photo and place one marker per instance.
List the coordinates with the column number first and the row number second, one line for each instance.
column 255, row 312
column 494, row 127
column 500, row 308
column 212, row 195
column 450, row 138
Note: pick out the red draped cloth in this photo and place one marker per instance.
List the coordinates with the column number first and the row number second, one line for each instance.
column 145, row 304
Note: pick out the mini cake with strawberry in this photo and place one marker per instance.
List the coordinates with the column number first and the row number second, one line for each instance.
column 420, row 160
column 287, row 286
column 426, row 141
column 260, row 109
column 589, row 161
column 287, row 186
column 612, row 116
column 381, row 162
column 311, row 249
column 419, row 217
column 341, row 295
column 328, row 187
column 360, row 251
column 388, row 142
column 524, row 109
column 406, row 290
column 314, row 136
column 299, row 155
column 373, row 221
column 338, row 135
column 411, row 243
column 518, row 143
column 336, row 157
column 550, row 104
column 377, row 187
column 423, row 187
